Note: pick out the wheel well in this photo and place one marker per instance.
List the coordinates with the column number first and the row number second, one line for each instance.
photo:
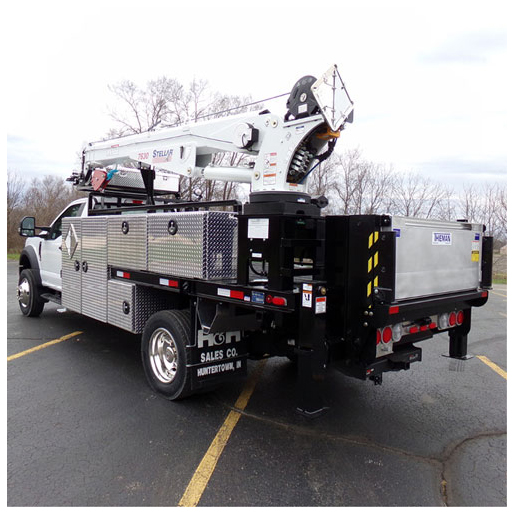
column 28, row 260
column 24, row 263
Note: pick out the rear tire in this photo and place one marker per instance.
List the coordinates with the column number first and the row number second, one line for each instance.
column 30, row 302
column 165, row 353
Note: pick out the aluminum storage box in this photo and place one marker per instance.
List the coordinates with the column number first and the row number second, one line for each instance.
column 435, row 257
column 193, row 244
column 130, row 305
column 127, row 241
column 127, row 178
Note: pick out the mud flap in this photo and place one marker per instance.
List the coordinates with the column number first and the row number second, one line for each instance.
column 217, row 358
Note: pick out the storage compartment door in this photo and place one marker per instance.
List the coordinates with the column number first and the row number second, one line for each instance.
column 94, row 268
column 71, row 264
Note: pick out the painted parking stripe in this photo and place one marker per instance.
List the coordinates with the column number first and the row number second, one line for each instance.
column 41, row 346
column 493, row 366
column 204, row 471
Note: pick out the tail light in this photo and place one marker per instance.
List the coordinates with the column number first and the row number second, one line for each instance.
column 460, row 318
column 384, row 341
column 387, row 335
column 452, row 319
column 276, row 300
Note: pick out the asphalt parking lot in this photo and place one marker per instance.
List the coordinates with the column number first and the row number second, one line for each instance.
column 85, row 429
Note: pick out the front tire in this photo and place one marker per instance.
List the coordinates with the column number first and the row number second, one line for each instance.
column 165, row 353
column 30, row 302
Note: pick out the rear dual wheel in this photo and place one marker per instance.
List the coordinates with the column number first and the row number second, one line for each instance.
column 165, row 353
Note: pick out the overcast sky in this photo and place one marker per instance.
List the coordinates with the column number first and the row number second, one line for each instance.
column 428, row 78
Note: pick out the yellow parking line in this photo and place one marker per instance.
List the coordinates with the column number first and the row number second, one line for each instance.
column 498, row 294
column 203, row 472
column 493, row 366
column 41, row 346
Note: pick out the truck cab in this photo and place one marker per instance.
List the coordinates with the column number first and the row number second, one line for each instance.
column 42, row 252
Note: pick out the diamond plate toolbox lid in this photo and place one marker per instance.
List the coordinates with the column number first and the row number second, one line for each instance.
column 193, row 244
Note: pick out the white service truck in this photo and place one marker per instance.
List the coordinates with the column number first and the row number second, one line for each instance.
column 212, row 284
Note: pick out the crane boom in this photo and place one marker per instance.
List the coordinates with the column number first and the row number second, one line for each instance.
column 280, row 150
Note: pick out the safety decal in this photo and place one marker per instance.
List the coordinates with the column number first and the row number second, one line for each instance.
column 270, row 161
column 321, row 305
column 372, row 262
column 269, row 179
column 258, row 228
column 307, row 295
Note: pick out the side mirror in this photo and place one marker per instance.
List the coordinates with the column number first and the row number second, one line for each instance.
column 27, row 227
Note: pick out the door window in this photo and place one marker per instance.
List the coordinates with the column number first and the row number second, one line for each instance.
column 71, row 212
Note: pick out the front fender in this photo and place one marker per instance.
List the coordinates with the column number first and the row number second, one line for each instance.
column 29, row 260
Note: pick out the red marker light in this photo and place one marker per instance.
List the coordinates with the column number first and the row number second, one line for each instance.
column 460, row 318
column 238, row 295
column 414, row 329
column 432, row 325
column 394, row 310
column 452, row 319
column 278, row 300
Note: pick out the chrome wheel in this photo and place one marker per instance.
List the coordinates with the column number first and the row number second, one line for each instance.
column 24, row 293
column 163, row 355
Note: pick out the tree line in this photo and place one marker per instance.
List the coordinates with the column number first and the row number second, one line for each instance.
column 355, row 185
column 352, row 183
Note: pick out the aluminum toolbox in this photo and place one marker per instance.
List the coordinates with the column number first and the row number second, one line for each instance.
column 435, row 257
column 131, row 179
column 130, row 305
column 127, row 241
column 193, row 244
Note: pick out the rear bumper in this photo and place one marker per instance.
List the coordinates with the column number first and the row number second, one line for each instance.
column 409, row 310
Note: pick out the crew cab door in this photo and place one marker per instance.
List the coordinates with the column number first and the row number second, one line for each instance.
column 51, row 247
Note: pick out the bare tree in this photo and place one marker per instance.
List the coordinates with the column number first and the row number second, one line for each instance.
column 469, row 203
column 43, row 198
column 321, row 180
column 168, row 102
column 486, row 204
column 417, row 196
column 48, row 196
column 349, row 170
column 355, row 185
column 139, row 110
column 501, row 211
column 15, row 200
